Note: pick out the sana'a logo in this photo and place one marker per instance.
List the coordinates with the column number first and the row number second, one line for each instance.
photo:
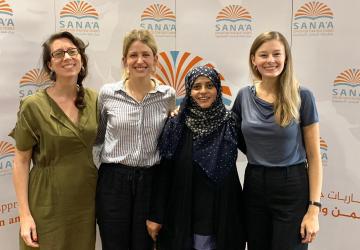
column 173, row 67
column 313, row 18
column 7, row 151
column 32, row 81
column 323, row 151
column 346, row 86
column 6, row 20
column 79, row 17
column 159, row 19
column 233, row 21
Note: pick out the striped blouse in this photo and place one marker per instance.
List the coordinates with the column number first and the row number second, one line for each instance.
column 128, row 129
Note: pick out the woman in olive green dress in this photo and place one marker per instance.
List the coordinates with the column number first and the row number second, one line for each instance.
column 56, row 129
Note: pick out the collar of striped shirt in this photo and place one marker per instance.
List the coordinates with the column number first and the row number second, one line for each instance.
column 158, row 86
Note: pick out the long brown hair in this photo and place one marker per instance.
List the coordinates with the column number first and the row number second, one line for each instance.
column 81, row 46
column 287, row 104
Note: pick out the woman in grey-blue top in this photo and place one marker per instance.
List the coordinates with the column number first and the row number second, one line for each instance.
column 279, row 122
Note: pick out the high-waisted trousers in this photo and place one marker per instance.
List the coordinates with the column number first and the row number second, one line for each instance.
column 276, row 200
column 122, row 206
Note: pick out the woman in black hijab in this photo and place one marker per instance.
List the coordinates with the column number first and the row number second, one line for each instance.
column 196, row 198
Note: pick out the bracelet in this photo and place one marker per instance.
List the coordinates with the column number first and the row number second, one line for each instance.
column 315, row 203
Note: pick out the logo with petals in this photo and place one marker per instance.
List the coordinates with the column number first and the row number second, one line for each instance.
column 6, row 18
column 313, row 19
column 160, row 20
column 173, row 67
column 233, row 21
column 323, row 151
column 79, row 17
column 346, row 86
column 32, row 81
column 7, row 152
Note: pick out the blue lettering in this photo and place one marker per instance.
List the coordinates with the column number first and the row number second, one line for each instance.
column 70, row 25
column 233, row 27
column 312, row 25
column 324, row 156
column 352, row 92
column 96, row 26
column 157, row 26
column 5, row 164
column 343, row 92
column 6, row 22
column 87, row 25
column 78, row 25
column 10, row 22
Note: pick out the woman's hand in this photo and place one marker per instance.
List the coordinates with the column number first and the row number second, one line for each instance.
column 175, row 112
column 153, row 229
column 21, row 169
column 310, row 225
column 28, row 231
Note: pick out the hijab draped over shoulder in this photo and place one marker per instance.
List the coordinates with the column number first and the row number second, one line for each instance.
column 213, row 129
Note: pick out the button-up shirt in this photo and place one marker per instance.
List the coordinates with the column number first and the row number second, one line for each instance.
column 128, row 129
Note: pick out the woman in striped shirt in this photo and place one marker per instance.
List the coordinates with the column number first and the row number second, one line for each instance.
column 133, row 112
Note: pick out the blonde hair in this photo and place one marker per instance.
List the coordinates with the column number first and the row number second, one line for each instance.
column 141, row 35
column 287, row 104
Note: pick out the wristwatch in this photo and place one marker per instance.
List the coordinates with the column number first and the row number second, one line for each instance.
column 315, row 203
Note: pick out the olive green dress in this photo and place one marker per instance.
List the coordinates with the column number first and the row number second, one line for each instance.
column 63, row 179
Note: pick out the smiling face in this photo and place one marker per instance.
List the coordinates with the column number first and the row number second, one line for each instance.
column 269, row 59
column 203, row 92
column 67, row 66
column 140, row 60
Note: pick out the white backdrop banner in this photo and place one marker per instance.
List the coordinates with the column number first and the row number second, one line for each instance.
column 323, row 34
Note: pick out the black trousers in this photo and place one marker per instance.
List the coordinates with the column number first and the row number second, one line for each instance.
column 276, row 199
column 122, row 206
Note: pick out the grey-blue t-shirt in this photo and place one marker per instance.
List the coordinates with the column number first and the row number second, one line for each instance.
column 267, row 143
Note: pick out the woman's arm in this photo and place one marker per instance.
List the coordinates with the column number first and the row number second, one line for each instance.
column 310, row 223
column 21, row 169
column 159, row 196
column 102, row 119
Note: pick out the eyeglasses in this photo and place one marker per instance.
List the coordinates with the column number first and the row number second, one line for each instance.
column 61, row 53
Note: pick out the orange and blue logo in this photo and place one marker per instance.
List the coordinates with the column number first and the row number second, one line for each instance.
column 79, row 17
column 313, row 18
column 7, row 152
column 6, row 18
column 233, row 21
column 160, row 20
column 32, row 81
column 323, row 151
column 173, row 67
column 346, row 86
